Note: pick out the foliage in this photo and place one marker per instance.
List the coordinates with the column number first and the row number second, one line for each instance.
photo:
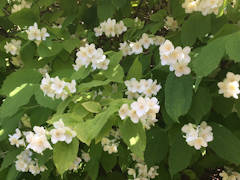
column 108, row 144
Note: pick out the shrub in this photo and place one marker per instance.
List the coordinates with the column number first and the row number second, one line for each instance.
column 112, row 89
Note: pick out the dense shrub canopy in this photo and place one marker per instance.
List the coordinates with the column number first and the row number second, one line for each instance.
column 119, row 89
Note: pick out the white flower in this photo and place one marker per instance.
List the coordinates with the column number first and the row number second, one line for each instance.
column 54, row 87
column 140, row 106
column 124, row 111
column 136, row 47
column 57, row 135
column 44, row 34
column 85, row 156
column 111, row 145
column 170, row 23
column 181, row 68
column 125, row 48
column 198, row 136
column 34, row 33
column 89, row 54
column 166, row 48
column 15, row 139
column 61, row 133
column 146, row 41
column 158, row 40
column 111, row 28
column 75, row 164
column 229, row 87
column 13, row 47
column 19, row 7
column 37, row 141
column 204, row 6
column 37, row 34
column 133, row 116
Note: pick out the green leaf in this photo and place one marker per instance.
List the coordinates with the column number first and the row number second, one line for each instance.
column 201, row 105
column 25, row 17
column 134, row 136
column 94, row 83
column 81, row 73
column 209, row 57
column 70, row 44
column 17, row 98
column 27, row 53
column 222, row 105
column 108, row 161
column 232, row 47
column 114, row 72
column 93, row 165
column 105, row 9
column 64, row 155
column 92, row 106
column 124, row 157
column 48, row 48
column 18, row 78
column 9, row 125
column 135, row 70
column 196, row 26
column 225, row 144
column 159, row 16
column 10, row 158
column 178, row 95
column 45, row 101
column 157, row 146
column 12, row 173
column 180, row 155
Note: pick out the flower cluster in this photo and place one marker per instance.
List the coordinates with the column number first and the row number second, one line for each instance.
column 89, row 54
column 204, row 6
column 13, row 47
column 143, row 87
column 37, row 140
column 110, row 143
column 16, row 139
column 177, row 58
column 230, row 175
column 111, row 28
column 198, row 136
column 25, row 163
column 143, row 110
column 137, row 47
column 34, row 33
column 22, row 5
column 56, row 88
column 141, row 170
column 16, row 61
column 229, row 87
column 171, row 24
column 75, row 166
column 61, row 133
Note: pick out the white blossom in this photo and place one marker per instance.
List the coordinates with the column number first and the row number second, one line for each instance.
column 204, row 6
column 13, row 47
column 37, row 140
column 171, row 24
column 229, row 87
column 34, row 33
column 16, row 140
column 110, row 143
column 56, row 88
column 110, row 28
column 89, row 54
column 22, row 5
column 198, row 136
column 177, row 58
column 61, row 133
